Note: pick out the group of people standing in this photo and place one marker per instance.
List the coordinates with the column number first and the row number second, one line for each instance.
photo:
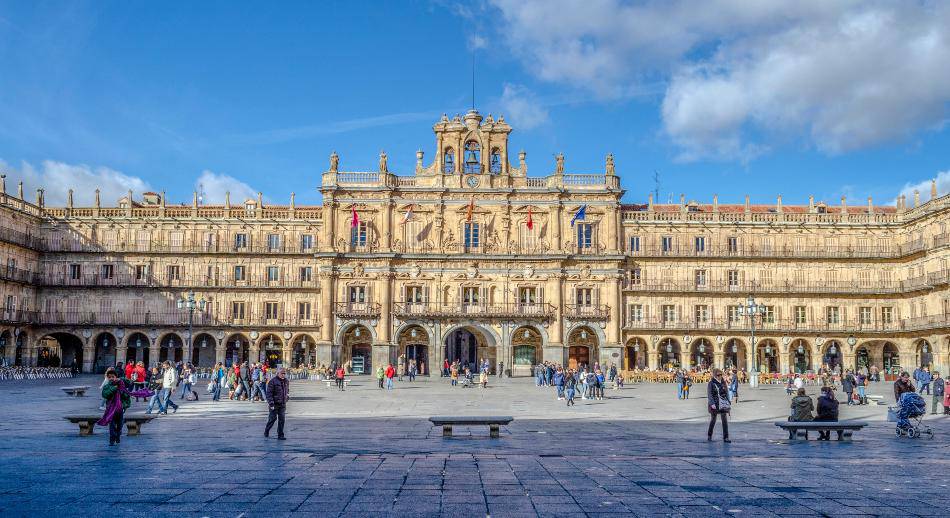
column 590, row 382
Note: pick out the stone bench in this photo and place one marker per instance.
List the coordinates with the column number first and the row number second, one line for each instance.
column 798, row 430
column 88, row 422
column 76, row 391
column 332, row 382
column 493, row 423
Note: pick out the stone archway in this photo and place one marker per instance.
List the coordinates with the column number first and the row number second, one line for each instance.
column 271, row 349
column 735, row 355
column 526, row 346
column 60, row 349
column 413, row 347
column 106, row 347
column 669, row 350
column 832, row 356
column 636, row 354
column 137, row 348
column 583, row 348
column 356, row 353
column 303, row 351
column 799, row 356
column 470, row 345
column 237, row 349
column 923, row 354
column 171, row 348
column 862, row 358
column 701, row 354
column 6, row 347
column 767, row 356
column 202, row 350
column 891, row 359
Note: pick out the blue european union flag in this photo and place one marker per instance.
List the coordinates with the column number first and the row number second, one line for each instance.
column 580, row 214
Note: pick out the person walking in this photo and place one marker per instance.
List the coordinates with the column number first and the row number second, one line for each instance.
column 380, row 376
column 390, row 373
column 257, row 383
column 559, row 384
column 169, row 381
column 155, row 385
column 412, row 370
column 939, row 389
column 117, row 398
column 188, row 379
column 827, row 411
column 717, row 399
column 946, row 397
column 217, row 377
column 445, row 368
column 734, row 386
column 848, row 382
column 861, row 383
column 454, row 373
column 340, row 377
column 571, row 386
column 923, row 380
column 678, row 379
column 278, row 392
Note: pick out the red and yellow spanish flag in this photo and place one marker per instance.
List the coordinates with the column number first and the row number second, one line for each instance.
column 530, row 222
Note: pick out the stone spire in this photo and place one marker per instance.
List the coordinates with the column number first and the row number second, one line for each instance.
column 933, row 188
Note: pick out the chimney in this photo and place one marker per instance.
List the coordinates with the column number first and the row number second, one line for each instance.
column 3, row 183
column 194, row 199
column 682, row 202
column 20, row 191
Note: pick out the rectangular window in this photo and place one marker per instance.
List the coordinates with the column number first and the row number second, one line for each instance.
column 237, row 310
column 141, row 272
column 768, row 314
column 636, row 312
column 107, row 271
column 636, row 277
column 635, row 244
column 270, row 310
column 669, row 313
column 865, row 315
column 414, row 294
column 357, row 294
column 887, row 315
column 472, row 237
column 273, row 273
column 75, row 271
column 240, row 273
column 175, row 240
column 832, row 314
column 173, row 272
column 142, row 240
column 306, row 273
column 303, row 310
column 528, row 296
column 701, row 314
column 800, row 315
column 734, row 316
column 358, row 234
column 700, row 278
column 470, row 296
column 306, row 242
column 733, row 277
column 666, row 244
column 273, row 242
column 700, row 244
column 584, row 296
column 585, row 235
column 240, row 241
column 732, row 245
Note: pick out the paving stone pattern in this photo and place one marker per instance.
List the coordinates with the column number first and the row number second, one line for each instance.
column 366, row 452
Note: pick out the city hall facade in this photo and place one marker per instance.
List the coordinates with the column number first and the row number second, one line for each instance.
column 472, row 258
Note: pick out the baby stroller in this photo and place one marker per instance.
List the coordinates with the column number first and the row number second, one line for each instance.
column 910, row 412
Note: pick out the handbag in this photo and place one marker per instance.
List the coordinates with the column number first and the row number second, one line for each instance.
column 724, row 404
column 210, row 387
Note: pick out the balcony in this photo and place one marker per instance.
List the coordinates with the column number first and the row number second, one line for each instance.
column 17, row 237
column 172, row 319
column 356, row 309
column 13, row 274
column 842, row 287
column 18, row 316
column 161, row 247
column 787, row 325
column 127, row 280
column 939, row 278
column 779, row 252
column 941, row 239
column 437, row 310
column 587, row 311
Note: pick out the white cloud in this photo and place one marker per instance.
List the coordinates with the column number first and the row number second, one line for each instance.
column 56, row 178
column 743, row 77
column 923, row 187
column 215, row 185
column 521, row 107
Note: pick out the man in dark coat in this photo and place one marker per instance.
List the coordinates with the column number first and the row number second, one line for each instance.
column 278, row 392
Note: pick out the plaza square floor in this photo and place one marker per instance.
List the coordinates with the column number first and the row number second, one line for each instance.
column 369, row 452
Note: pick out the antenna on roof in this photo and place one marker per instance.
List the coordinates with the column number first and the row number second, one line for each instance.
column 474, row 48
column 656, row 185
column 201, row 194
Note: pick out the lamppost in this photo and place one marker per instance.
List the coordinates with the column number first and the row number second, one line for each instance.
column 752, row 310
column 191, row 304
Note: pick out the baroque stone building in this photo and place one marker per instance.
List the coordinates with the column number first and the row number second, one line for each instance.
column 472, row 258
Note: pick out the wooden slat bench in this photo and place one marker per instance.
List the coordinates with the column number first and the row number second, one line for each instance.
column 76, row 391
column 87, row 423
column 798, row 430
column 493, row 423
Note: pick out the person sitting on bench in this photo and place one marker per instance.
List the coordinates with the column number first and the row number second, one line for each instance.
column 802, row 407
column 827, row 411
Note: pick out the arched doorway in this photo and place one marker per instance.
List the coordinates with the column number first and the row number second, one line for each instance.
column 5, row 341
column 925, row 354
column 701, row 354
column 60, row 350
column 462, row 345
column 767, row 359
column 669, row 353
column 202, row 350
column 800, row 356
column 414, row 348
column 105, row 355
column 582, row 348
column 272, row 347
column 525, row 349
column 171, row 348
column 636, row 357
column 357, row 352
column 862, row 359
column 20, row 339
column 137, row 348
column 832, row 357
column 735, row 354
column 891, row 357
column 237, row 349
column 304, row 352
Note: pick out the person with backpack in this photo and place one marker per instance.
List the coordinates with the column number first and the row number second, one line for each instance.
column 717, row 399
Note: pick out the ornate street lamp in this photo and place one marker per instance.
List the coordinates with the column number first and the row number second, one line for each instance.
column 190, row 304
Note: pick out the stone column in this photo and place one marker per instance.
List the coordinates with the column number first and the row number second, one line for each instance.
column 387, row 215
column 187, row 347
column 88, row 357
column 220, row 350
column 556, row 228
column 384, row 331
column 326, row 307
column 612, row 236
column 153, row 350
column 120, row 352
column 719, row 359
column 329, row 220
column 783, row 363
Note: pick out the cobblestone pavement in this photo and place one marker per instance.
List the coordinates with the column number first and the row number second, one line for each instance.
column 366, row 452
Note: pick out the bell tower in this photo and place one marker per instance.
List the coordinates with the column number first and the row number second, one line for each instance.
column 472, row 145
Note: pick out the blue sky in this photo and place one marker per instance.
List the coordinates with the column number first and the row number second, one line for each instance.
column 794, row 98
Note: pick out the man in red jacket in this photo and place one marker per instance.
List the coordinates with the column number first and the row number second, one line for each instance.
column 129, row 369
column 390, row 372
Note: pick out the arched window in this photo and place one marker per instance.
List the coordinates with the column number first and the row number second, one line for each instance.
column 494, row 166
column 448, row 161
column 473, row 157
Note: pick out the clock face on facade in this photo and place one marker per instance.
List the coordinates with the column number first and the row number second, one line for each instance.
column 471, row 181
